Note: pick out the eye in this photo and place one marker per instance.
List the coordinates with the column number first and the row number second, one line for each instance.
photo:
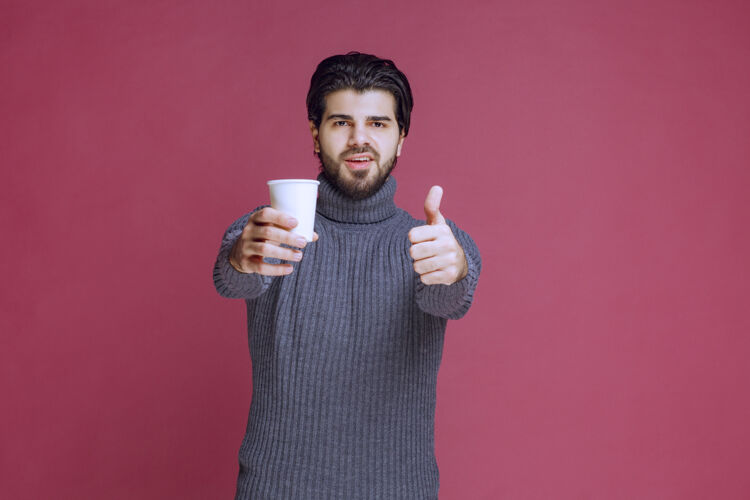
column 378, row 124
column 341, row 123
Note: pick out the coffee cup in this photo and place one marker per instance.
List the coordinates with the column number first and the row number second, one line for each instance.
column 296, row 197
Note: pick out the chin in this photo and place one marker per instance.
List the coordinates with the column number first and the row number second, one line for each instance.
column 356, row 184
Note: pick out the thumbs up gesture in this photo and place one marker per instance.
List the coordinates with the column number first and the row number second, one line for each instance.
column 438, row 257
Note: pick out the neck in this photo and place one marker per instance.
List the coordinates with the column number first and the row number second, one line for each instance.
column 335, row 205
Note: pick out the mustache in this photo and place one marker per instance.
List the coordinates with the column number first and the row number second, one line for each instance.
column 360, row 150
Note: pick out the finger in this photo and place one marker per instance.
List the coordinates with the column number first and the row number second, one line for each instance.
column 257, row 265
column 426, row 233
column 270, row 250
column 432, row 206
column 315, row 236
column 269, row 215
column 431, row 264
column 424, row 250
column 277, row 235
column 440, row 277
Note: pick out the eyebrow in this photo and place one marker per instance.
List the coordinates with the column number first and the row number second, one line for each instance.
column 351, row 118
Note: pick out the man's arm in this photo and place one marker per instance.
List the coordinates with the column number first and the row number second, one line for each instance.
column 229, row 282
column 242, row 268
column 447, row 261
column 452, row 301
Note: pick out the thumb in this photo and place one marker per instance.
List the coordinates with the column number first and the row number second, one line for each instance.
column 432, row 206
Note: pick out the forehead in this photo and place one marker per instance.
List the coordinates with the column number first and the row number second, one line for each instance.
column 374, row 102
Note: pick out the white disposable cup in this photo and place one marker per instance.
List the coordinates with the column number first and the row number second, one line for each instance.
column 296, row 197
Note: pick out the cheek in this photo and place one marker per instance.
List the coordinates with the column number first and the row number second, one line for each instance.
column 333, row 141
column 390, row 147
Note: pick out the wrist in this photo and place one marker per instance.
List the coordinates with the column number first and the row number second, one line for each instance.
column 233, row 261
column 464, row 269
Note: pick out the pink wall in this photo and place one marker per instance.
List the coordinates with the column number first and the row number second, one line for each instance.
column 597, row 151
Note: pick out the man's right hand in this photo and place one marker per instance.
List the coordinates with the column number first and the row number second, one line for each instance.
column 265, row 231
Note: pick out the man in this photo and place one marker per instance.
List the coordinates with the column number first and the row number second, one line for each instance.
column 346, row 333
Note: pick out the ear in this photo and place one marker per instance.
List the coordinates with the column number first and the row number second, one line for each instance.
column 400, row 144
column 314, row 132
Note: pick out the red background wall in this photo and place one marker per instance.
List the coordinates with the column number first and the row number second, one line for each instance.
column 596, row 151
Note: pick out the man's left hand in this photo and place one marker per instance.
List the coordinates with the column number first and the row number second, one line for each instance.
column 438, row 258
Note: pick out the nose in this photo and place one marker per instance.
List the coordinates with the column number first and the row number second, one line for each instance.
column 358, row 136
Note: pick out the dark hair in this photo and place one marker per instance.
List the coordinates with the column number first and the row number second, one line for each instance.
column 360, row 72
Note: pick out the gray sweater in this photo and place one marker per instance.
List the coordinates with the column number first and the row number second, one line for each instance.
column 345, row 355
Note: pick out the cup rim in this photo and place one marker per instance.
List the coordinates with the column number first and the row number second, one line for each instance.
column 296, row 181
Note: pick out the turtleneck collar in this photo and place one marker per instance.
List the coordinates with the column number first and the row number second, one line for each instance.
column 335, row 205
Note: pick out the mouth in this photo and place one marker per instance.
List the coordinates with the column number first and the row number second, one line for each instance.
column 358, row 162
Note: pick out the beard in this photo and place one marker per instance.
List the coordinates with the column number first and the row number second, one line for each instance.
column 360, row 185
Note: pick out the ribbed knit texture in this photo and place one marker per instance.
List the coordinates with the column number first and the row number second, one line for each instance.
column 345, row 355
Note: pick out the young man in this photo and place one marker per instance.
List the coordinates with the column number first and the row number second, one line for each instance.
column 346, row 333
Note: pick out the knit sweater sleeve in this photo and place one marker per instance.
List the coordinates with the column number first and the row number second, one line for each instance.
column 453, row 301
column 229, row 282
